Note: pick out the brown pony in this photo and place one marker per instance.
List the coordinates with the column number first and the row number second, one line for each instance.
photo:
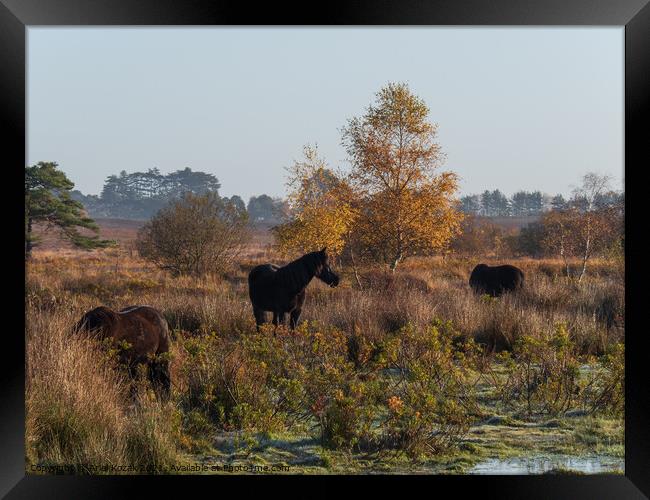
column 146, row 331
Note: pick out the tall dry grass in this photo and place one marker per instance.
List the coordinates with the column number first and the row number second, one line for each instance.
column 73, row 394
column 80, row 413
column 593, row 310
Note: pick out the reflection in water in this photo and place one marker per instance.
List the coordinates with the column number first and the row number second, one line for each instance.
column 540, row 465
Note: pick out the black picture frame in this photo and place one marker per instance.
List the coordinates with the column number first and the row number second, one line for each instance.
column 17, row 15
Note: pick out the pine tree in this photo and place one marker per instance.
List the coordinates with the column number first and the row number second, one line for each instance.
column 48, row 201
column 558, row 202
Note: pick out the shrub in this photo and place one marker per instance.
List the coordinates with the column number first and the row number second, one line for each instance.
column 604, row 391
column 347, row 417
column 479, row 236
column 338, row 396
column 195, row 235
column 228, row 386
column 271, row 381
column 529, row 241
column 313, row 380
column 543, row 372
column 433, row 401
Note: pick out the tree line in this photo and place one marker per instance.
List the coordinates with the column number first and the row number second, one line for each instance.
column 187, row 202
column 591, row 222
column 524, row 203
column 140, row 195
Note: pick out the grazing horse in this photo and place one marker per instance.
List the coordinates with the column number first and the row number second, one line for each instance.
column 146, row 331
column 495, row 280
column 281, row 290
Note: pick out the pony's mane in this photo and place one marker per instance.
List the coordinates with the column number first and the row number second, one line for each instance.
column 297, row 274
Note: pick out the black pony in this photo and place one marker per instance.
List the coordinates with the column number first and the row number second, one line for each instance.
column 496, row 280
column 281, row 290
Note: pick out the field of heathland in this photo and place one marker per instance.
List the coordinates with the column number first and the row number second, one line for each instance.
column 390, row 372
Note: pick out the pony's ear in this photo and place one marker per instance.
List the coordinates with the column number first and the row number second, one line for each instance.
column 324, row 250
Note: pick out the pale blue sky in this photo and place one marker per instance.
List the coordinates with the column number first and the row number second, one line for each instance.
column 517, row 108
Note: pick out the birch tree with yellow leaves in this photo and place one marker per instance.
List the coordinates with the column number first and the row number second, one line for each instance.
column 321, row 208
column 406, row 205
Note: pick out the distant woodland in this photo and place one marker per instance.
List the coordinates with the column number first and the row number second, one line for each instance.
column 525, row 203
column 139, row 195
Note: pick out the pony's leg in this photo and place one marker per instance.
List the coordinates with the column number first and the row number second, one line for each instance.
column 165, row 380
column 132, row 369
column 282, row 318
column 160, row 379
column 154, row 376
column 295, row 316
column 259, row 318
column 279, row 318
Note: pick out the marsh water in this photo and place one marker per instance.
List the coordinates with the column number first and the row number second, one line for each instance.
column 544, row 464
column 305, row 455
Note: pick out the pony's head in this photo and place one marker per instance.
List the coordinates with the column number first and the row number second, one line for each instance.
column 98, row 321
column 324, row 271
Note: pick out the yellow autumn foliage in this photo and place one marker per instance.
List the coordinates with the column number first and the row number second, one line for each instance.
column 406, row 206
column 393, row 204
column 322, row 211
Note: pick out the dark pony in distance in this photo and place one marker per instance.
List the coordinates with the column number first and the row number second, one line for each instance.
column 281, row 290
column 144, row 329
column 496, row 280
